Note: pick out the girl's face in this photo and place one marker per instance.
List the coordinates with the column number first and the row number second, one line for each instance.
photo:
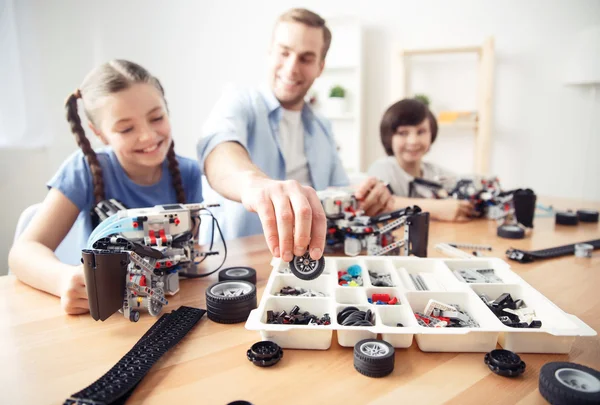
column 411, row 142
column 134, row 122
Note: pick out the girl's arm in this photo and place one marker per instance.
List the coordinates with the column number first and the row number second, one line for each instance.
column 442, row 210
column 32, row 257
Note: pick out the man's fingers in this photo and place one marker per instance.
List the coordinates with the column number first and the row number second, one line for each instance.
column 319, row 226
column 302, row 221
column 285, row 225
column 371, row 203
column 266, row 213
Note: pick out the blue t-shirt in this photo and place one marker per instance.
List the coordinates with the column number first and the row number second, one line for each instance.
column 74, row 180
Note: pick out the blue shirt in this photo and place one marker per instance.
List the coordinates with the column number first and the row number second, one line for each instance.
column 74, row 180
column 251, row 118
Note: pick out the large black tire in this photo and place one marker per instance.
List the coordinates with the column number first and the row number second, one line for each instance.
column 374, row 358
column 230, row 301
column 305, row 268
column 563, row 383
column 238, row 273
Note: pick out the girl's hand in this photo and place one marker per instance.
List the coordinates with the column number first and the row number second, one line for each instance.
column 73, row 295
column 453, row 210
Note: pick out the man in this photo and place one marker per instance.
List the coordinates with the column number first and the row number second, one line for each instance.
column 268, row 150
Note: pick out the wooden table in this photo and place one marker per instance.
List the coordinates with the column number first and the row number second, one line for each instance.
column 47, row 355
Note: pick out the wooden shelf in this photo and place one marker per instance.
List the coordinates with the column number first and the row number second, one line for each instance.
column 458, row 125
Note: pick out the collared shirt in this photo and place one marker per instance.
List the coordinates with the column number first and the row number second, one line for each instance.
column 252, row 119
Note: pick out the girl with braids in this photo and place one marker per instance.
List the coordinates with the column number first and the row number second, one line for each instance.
column 126, row 109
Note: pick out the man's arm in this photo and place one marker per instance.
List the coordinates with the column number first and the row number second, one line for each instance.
column 291, row 214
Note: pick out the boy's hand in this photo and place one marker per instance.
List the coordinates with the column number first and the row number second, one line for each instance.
column 454, row 210
column 374, row 196
column 73, row 295
column 291, row 214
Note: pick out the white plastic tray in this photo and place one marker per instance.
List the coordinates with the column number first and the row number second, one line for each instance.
column 556, row 335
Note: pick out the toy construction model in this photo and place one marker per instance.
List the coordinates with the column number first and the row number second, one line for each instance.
column 134, row 257
column 347, row 226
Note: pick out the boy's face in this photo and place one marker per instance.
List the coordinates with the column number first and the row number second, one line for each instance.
column 295, row 62
column 411, row 142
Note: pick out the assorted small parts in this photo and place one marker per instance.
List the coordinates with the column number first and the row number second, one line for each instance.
column 504, row 363
column 374, row 358
column 381, row 279
column 352, row 277
column 513, row 313
column 383, row 299
column 583, row 250
column 306, row 268
column 299, row 292
column 511, row 231
column 352, row 316
column 587, row 215
column 238, row 273
column 230, row 301
column 482, row 276
column 565, row 383
column 566, row 218
column 296, row 317
column 264, row 354
column 440, row 315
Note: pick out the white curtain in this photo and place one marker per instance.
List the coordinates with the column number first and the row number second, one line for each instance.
column 17, row 107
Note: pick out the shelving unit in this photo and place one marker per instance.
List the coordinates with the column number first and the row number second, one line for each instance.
column 482, row 127
column 344, row 67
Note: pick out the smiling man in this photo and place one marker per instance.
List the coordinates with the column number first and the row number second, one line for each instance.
column 267, row 149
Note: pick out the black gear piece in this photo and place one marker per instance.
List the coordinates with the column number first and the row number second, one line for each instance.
column 504, row 363
column 374, row 358
column 587, row 215
column 238, row 273
column 564, row 383
column 230, row 301
column 265, row 353
column 305, row 268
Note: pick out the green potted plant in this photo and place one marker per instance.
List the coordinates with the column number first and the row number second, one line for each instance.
column 337, row 102
column 422, row 98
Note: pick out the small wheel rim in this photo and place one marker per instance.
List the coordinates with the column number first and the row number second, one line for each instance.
column 578, row 380
column 231, row 289
column 237, row 272
column 305, row 264
column 374, row 349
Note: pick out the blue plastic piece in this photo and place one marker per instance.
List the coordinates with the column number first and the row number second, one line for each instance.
column 370, row 300
column 354, row 270
column 346, row 277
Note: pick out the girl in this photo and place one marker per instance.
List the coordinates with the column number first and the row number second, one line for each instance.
column 126, row 108
column 408, row 128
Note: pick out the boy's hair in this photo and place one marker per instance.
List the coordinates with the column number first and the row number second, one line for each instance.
column 404, row 112
column 109, row 78
column 311, row 19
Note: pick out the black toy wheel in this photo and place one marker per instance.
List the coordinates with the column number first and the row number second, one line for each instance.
column 238, row 273
column 569, row 383
column 134, row 315
column 511, row 232
column 566, row 218
column 504, row 363
column 265, row 353
column 230, row 301
column 374, row 358
column 305, row 268
column 587, row 215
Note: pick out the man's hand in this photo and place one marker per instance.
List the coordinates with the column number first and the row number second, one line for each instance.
column 73, row 295
column 453, row 210
column 374, row 196
column 291, row 215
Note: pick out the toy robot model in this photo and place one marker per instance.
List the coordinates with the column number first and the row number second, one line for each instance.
column 348, row 226
column 135, row 256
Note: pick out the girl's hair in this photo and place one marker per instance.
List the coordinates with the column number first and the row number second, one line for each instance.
column 405, row 112
column 112, row 77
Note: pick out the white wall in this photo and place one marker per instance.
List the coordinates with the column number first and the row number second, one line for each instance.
column 195, row 48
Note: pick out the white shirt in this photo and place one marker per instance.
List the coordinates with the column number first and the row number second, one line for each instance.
column 291, row 133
